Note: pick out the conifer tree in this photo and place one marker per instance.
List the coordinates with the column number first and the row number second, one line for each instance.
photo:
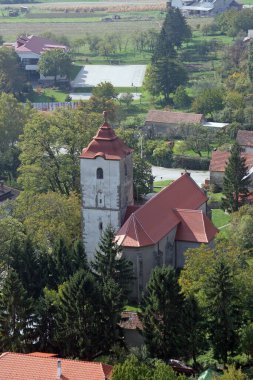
column 79, row 322
column 112, row 303
column 235, row 185
column 16, row 315
column 223, row 312
column 162, row 314
column 109, row 264
column 65, row 261
column 173, row 33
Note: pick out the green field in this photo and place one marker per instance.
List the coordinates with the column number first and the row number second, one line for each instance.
column 220, row 218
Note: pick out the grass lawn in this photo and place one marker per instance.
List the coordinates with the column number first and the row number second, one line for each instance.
column 49, row 95
column 132, row 308
column 215, row 197
column 179, row 149
column 220, row 218
column 159, row 185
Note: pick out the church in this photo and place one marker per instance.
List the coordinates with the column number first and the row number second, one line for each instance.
column 156, row 233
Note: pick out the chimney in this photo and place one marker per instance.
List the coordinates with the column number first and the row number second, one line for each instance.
column 58, row 368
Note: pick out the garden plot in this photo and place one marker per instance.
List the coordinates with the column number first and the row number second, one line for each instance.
column 117, row 75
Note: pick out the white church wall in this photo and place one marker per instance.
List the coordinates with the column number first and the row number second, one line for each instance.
column 94, row 223
column 100, row 200
column 108, row 186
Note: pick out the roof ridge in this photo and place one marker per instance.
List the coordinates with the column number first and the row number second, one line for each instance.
column 135, row 230
column 144, row 230
column 204, row 226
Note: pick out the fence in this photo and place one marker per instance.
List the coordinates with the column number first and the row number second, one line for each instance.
column 52, row 106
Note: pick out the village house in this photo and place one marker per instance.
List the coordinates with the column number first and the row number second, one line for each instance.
column 245, row 140
column 156, row 233
column 7, row 192
column 43, row 366
column 168, row 123
column 131, row 328
column 30, row 48
column 218, row 164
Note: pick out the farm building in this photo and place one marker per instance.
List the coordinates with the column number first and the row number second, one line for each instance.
column 169, row 123
column 205, row 8
column 156, row 233
column 30, row 48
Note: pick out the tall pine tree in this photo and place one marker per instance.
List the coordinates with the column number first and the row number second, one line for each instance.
column 173, row 33
column 79, row 322
column 235, row 185
column 223, row 313
column 110, row 264
column 17, row 318
column 162, row 314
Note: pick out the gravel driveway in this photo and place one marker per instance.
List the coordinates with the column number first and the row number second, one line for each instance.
column 165, row 173
column 117, row 75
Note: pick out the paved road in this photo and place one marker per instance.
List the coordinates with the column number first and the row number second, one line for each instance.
column 164, row 173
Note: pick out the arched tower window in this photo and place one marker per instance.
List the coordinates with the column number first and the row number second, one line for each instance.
column 100, row 173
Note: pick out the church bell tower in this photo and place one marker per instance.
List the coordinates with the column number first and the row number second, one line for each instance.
column 106, row 184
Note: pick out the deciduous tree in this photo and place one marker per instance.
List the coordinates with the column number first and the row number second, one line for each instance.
column 55, row 62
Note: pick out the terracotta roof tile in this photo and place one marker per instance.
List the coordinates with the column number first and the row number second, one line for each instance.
column 36, row 44
column 107, row 145
column 219, row 160
column 15, row 366
column 170, row 117
column 245, row 138
column 156, row 218
column 195, row 227
column 129, row 211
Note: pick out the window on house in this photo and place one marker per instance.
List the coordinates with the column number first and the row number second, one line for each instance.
column 100, row 173
column 100, row 226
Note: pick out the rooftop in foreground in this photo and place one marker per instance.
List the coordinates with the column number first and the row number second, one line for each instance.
column 41, row 366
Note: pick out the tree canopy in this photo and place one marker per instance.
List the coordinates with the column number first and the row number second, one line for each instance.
column 55, row 62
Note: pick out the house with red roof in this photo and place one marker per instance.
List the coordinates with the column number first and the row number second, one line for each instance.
column 245, row 140
column 168, row 124
column 30, row 48
column 218, row 165
column 43, row 366
column 156, row 233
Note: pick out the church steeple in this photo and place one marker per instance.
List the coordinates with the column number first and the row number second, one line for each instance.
column 106, row 144
column 106, row 184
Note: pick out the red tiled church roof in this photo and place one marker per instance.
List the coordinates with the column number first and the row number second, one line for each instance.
column 170, row 117
column 15, row 366
column 156, row 218
column 219, row 160
column 245, row 138
column 195, row 227
column 106, row 144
